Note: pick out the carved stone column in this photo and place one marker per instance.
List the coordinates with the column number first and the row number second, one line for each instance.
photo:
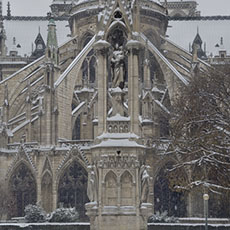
column 101, row 48
column 133, row 85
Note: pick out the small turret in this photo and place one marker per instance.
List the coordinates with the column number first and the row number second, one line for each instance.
column 197, row 44
column 39, row 46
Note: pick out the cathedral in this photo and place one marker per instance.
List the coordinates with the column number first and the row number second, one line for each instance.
column 86, row 125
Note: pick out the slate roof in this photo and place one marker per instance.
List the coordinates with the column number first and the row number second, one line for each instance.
column 211, row 29
column 25, row 31
column 181, row 31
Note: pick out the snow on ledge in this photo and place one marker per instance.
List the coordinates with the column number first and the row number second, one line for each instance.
column 118, row 117
column 118, row 136
column 119, row 143
column 23, row 225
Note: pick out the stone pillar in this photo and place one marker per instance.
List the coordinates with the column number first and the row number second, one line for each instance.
column 54, row 193
column 133, row 85
column 39, row 192
column 49, row 117
column 101, row 48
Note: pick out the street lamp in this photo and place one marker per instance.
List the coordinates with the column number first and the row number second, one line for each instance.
column 206, row 198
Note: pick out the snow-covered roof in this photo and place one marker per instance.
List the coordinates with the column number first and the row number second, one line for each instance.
column 183, row 32
column 26, row 31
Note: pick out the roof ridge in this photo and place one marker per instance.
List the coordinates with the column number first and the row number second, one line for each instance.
column 34, row 18
column 190, row 18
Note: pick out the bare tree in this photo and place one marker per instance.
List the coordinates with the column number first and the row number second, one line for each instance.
column 201, row 132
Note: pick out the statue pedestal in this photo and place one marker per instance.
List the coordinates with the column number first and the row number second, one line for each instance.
column 116, row 218
column 117, row 101
column 121, row 187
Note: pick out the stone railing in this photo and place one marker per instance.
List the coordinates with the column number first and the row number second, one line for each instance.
column 66, row 143
column 30, row 145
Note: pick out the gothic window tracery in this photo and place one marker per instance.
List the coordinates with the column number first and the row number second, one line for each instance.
column 22, row 189
column 72, row 189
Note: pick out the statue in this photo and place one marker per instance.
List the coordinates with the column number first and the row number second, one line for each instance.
column 144, row 176
column 117, row 63
column 92, row 184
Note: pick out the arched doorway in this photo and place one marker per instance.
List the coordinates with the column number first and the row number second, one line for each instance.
column 72, row 189
column 22, row 190
column 166, row 197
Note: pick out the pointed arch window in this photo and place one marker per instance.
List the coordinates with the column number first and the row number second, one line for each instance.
column 72, row 189
column 22, row 189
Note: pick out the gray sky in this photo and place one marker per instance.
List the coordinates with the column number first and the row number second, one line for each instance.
column 41, row 7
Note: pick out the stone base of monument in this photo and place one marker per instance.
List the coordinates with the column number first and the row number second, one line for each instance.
column 119, row 218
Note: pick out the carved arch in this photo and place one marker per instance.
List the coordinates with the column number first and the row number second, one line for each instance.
column 127, row 190
column 85, row 38
column 73, row 154
column 178, row 13
column 110, row 189
column 15, row 165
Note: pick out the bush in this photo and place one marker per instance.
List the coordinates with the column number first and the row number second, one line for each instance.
column 64, row 215
column 162, row 218
column 34, row 214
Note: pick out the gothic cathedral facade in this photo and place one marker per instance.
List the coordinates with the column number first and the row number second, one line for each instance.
column 86, row 125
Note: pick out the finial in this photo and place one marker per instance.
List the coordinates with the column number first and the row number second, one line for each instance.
column 197, row 29
column 8, row 10
column 221, row 41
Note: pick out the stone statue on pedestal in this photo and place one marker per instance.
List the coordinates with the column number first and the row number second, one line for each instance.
column 144, row 183
column 92, row 184
column 118, row 64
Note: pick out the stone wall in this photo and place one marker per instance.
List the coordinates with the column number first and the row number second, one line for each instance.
column 46, row 226
column 86, row 226
column 188, row 227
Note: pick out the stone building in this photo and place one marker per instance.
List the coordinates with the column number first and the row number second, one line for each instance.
column 86, row 125
column 183, row 8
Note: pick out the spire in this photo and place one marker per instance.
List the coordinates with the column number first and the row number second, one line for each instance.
column 52, row 44
column 1, row 9
column 2, row 33
column 8, row 10
column 52, row 36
